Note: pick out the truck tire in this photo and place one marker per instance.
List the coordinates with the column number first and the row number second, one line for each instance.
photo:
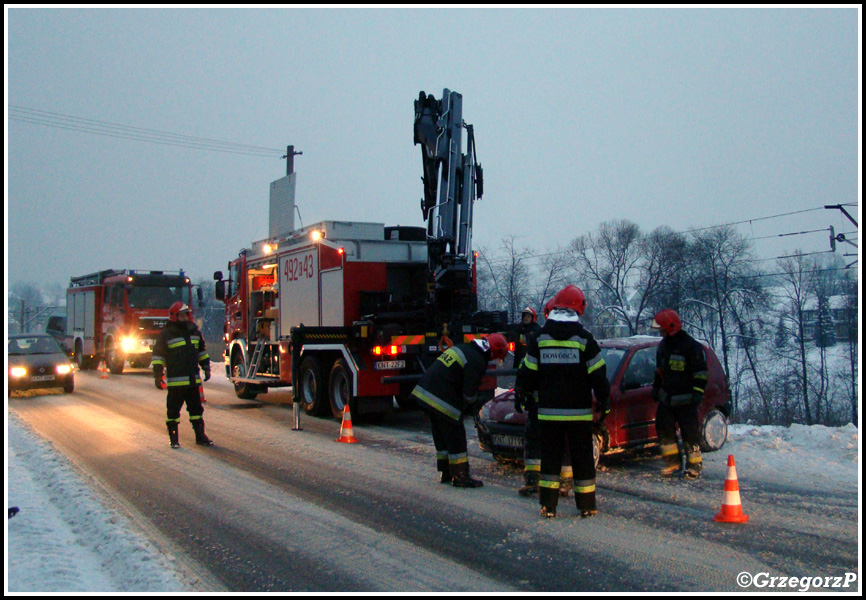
column 339, row 388
column 312, row 389
column 113, row 360
column 714, row 431
column 244, row 391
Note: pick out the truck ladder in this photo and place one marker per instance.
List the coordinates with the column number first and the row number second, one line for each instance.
column 256, row 361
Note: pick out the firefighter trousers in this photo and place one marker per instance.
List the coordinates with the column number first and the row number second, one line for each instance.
column 177, row 397
column 449, row 436
column 667, row 419
column 557, row 438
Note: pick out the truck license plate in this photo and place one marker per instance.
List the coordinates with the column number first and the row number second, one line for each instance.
column 42, row 378
column 385, row 365
column 508, row 441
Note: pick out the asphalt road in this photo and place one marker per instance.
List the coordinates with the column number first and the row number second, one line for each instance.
column 271, row 509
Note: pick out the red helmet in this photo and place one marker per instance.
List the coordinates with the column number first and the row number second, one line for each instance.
column 530, row 311
column 570, row 297
column 498, row 346
column 177, row 308
column 668, row 321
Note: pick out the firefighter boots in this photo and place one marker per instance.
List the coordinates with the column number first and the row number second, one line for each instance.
column 530, row 479
column 444, row 468
column 172, row 434
column 200, row 438
column 460, row 476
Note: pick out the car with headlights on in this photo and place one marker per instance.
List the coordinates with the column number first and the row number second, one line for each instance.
column 631, row 365
column 37, row 361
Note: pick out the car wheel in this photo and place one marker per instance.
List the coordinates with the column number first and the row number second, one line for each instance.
column 714, row 431
column 311, row 387
column 69, row 387
column 244, row 391
column 598, row 447
column 339, row 388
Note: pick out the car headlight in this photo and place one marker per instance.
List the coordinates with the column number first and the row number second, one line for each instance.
column 17, row 372
column 128, row 344
column 64, row 369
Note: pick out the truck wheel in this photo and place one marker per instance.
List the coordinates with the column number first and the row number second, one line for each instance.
column 312, row 390
column 244, row 391
column 114, row 361
column 339, row 388
column 714, row 431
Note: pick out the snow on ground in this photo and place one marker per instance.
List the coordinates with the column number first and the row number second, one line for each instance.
column 68, row 539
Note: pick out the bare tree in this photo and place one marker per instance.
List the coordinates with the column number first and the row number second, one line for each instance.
column 507, row 276
column 611, row 258
column 796, row 279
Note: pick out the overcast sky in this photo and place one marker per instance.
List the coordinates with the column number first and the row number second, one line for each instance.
column 684, row 117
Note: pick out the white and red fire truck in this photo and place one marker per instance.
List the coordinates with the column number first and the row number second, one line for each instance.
column 354, row 311
column 116, row 315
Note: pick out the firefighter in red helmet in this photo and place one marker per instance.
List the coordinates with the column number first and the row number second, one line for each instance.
column 178, row 354
column 447, row 390
column 527, row 327
column 565, row 367
column 678, row 388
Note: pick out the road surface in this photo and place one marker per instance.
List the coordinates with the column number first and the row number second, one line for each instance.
column 271, row 509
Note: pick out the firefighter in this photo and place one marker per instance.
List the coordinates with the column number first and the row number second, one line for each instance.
column 528, row 327
column 446, row 391
column 564, row 366
column 177, row 355
column 678, row 388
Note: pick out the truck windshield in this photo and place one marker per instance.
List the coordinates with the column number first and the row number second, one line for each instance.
column 156, row 296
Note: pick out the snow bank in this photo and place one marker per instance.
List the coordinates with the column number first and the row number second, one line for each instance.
column 827, row 456
column 66, row 538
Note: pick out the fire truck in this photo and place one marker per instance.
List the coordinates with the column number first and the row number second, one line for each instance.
column 356, row 311
column 116, row 315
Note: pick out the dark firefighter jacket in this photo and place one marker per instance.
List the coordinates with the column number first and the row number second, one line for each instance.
column 521, row 337
column 564, row 365
column 180, row 349
column 681, row 370
column 451, row 383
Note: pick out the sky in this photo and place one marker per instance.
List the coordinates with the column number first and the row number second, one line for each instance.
column 685, row 117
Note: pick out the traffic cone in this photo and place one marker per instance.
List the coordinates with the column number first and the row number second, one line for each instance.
column 103, row 370
column 346, row 434
column 201, row 394
column 732, row 510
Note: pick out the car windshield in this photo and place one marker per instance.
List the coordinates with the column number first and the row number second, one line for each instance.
column 33, row 345
column 155, row 296
column 612, row 358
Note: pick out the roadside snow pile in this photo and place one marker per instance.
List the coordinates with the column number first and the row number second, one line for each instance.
column 66, row 538
column 827, row 455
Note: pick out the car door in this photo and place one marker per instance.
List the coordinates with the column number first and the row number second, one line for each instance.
column 638, row 410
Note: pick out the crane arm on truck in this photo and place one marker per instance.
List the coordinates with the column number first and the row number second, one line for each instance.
column 452, row 183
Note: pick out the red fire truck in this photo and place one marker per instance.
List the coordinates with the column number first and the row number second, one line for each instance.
column 354, row 311
column 116, row 315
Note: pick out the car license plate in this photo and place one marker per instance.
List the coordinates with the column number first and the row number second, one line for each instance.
column 42, row 378
column 385, row 365
column 508, row 441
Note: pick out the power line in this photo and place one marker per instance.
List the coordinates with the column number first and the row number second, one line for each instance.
column 116, row 130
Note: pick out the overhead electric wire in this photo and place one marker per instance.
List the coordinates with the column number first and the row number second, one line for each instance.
column 116, row 130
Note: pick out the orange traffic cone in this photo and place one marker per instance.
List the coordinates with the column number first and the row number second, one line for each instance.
column 346, row 433
column 732, row 510
column 103, row 370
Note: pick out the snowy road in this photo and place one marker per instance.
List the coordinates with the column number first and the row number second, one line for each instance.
column 269, row 509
